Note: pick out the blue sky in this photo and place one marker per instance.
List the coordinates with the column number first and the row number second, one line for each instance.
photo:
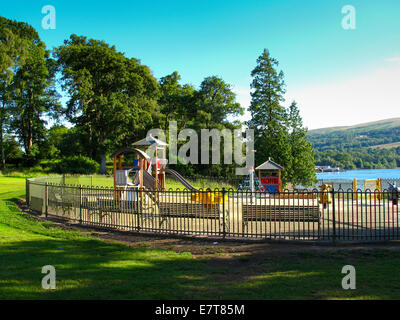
column 338, row 76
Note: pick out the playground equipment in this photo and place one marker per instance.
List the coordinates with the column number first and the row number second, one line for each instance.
column 209, row 199
column 394, row 193
column 181, row 179
column 372, row 187
column 325, row 196
column 269, row 173
column 157, row 165
column 375, row 186
column 251, row 183
column 150, row 173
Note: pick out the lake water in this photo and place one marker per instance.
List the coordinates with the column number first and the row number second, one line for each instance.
column 360, row 174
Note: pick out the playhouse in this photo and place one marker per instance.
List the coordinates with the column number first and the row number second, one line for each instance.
column 269, row 174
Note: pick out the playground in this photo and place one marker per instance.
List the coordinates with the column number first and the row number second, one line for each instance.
column 138, row 201
column 103, row 264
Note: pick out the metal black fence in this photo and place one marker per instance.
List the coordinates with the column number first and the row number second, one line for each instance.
column 338, row 215
column 235, row 183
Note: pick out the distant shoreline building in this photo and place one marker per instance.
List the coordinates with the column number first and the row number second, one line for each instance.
column 326, row 169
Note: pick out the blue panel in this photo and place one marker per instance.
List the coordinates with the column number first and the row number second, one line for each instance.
column 271, row 188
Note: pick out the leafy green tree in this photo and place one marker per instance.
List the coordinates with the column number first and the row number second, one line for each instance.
column 215, row 103
column 302, row 163
column 209, row 107
column 53, row 141
column 176, row 101
column 31, row 96
column 12, row 150
column 74, row 142
column 215, row 107
column 268, row 116
column 12, row 54
column 113, row 98
column 36, row 99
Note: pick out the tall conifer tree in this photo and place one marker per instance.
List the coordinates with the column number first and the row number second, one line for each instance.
column 278, row 131
column 302, row 162
column 268, row 116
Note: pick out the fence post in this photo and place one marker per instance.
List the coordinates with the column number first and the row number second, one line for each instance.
column 355, row 195
column 223, row 214
column 27, row 192
column 139, row 208
column 46, row 196
column 80, row 204
column 333, row 216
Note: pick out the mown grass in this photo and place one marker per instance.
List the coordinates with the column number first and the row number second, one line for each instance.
column 89, row 268
column 198, row 183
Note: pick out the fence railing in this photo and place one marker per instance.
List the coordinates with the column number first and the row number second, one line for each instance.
column 340, row 215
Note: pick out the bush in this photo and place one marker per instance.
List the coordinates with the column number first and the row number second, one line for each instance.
column 76, row 164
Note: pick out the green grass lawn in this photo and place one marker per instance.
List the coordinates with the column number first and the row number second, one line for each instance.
column 89, row 268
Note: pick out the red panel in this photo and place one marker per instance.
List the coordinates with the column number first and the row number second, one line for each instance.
column 270, row 180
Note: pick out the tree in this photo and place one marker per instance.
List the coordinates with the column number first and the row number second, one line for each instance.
column 216, row 102
column 13, row 152
column 209, row 107
column 12, row 54
column 53, row 141
column 268, row 116
column 113, row 98
column 176, row 101
column 27, row 85
column 35, row 99
column 302, row 163
column 215, row 107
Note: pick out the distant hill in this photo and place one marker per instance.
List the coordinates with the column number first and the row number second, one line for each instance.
column 361, row 135
column 375, row 125
column 367, row 145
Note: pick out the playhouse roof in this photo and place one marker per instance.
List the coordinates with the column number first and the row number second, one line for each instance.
column 149, row 141
column 141, row 153
column 269, row 165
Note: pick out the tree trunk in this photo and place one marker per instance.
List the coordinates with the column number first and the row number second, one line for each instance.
column 30, row 135
column 30, row 125
column 3, row 157
column 103, row 169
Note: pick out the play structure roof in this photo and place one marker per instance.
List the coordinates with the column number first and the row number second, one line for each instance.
column 269, row 165
column 141, row 153
column 149, row 141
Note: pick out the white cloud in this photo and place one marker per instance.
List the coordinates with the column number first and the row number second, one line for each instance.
column 394, row 59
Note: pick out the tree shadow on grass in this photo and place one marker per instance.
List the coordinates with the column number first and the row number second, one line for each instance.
column 89, row 268
column 93, row 269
